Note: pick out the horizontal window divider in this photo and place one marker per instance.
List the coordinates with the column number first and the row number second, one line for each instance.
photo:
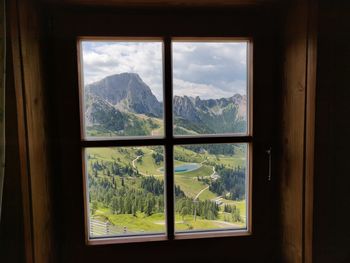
column 165, row 141
column 122, row 142
column 211, row 139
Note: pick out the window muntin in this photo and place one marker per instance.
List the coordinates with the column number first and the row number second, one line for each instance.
column 171, row 144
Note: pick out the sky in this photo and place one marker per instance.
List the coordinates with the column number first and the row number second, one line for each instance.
column 210, row 70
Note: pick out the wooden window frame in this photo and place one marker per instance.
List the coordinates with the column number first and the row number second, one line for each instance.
column 168, row 141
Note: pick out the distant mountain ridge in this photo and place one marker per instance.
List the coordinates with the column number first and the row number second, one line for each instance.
column 223, row 115
column 113, row 105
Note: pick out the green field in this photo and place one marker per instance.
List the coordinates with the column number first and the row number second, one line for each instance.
column 156, row 222
column 141, row 160
column 146, row 164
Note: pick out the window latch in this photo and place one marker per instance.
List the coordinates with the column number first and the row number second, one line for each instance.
column 269, row 154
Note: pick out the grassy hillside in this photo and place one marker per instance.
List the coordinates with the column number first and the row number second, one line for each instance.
column 117, row 171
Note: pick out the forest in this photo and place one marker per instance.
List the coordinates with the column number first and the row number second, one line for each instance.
column 130, row 181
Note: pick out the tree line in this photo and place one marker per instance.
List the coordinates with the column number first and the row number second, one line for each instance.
column 188, row 206
column 124, row 196
column 231, row 182
column 156, row 186
column 216, row 149
column 112, row 169
column 234, row 212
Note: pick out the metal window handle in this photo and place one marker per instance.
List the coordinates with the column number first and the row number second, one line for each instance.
column 269, row 153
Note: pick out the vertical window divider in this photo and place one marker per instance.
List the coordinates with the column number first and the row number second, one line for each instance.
column 168, row 102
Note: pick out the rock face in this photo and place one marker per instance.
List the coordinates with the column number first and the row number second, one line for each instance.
column 127, row 92
column 185, row 107
column 112, row 105
column 225, row 115
column 100, row 112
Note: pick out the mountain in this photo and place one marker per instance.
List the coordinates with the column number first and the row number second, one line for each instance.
column 127, row 92
column 100, row 113
column 104, row 119
column 225, row 115
column 123, row 104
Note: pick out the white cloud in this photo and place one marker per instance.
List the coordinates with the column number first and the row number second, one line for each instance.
column 207, row 70
column 102, row 59
column 221, row 66
column 205, row 91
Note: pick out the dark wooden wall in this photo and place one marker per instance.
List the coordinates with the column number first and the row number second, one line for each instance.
column 332, row 174
column 67, row 23
column 295, row 159
column 331, row 235
column 162, row 3
column 11, row 226
column 33, row 160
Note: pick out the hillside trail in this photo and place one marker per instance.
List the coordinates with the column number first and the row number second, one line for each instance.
column 200, row 192
column 138, row 157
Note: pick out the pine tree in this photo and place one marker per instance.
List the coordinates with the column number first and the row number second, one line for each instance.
column 93, row 207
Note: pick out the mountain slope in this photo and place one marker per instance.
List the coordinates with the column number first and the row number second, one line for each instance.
column 103, row 119
column 225, row 115
column 127, row 92
column 123, row 104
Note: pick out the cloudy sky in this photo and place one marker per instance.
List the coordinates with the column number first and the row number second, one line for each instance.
column 207, row 70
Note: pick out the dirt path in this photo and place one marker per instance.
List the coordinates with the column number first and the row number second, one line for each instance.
column 138, row 157
column 200, row 192
column 134, row 166
column 213, row 172
column 133, row 161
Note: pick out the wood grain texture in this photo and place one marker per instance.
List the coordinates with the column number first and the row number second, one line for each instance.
column 297, row 134
column 11, row 225
column 162, row 3
column 331, row 237
column 22, row 134
column 310, row 129
column 262, row 245
column 33, row 139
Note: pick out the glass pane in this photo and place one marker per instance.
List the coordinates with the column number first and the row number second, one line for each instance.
column 210, row 187
column 210, row 87
column 125, row 190
column 123, row 88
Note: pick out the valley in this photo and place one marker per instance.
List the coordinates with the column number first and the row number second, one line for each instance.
column 126, row 184
column 139, row 170
column 123, row 105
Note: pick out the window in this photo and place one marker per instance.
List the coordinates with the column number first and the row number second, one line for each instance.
column 166, row 137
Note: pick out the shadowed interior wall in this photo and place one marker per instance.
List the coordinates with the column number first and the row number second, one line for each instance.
column 332, row 175
column 297, row 130
column 11, row 225
column 33, row 117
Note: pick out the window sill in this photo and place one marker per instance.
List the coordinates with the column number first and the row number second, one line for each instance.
column 213, row 234
column 122, row 240
column 178, row 236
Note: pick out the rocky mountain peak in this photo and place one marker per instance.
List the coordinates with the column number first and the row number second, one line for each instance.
column 126, row 92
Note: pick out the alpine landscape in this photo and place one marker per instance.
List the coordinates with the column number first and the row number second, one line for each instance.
column 126, row 184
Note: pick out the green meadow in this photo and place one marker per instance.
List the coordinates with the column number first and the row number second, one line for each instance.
column 106, row 167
